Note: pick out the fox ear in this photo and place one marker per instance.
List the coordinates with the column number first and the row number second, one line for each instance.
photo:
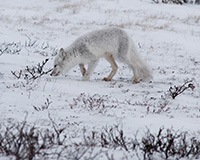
column 62, row 53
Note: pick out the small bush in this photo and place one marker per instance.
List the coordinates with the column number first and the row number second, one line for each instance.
column 30, row 45
column 170, row 144
column 27, row 142
column 166, row 144
column 177, row 1
column 32, row 73
column 10, row 48
column 93, row 103
column 22, row 141
column 43, row 107
column 177, row 90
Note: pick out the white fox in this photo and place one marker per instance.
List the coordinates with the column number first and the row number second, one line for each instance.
column 112, row 43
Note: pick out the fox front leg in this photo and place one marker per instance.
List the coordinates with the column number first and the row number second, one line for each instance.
column 91, row 67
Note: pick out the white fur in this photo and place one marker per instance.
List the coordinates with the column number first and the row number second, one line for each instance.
column 111, row 43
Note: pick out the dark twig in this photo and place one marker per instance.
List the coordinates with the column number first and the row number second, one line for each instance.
column 43, row 107
column 17, row 74
column 177, row 90
column 32, row 73
column 58, row 131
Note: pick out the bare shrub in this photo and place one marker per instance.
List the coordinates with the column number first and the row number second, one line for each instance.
column 58, row 132
column 110, row 137
column 169, row 144
column 11, row 48
column 24, row 142
column 158, row 108
column 43, row 107
column 43, row 48
column 177, row 90
column 96, row 102
column 27, row 142
column 166, row 143
column 114, row 137
column 32, row 73
column 177, row 1
column 30, row 45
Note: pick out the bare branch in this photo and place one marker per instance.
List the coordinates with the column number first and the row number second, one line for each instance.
column 177, row 90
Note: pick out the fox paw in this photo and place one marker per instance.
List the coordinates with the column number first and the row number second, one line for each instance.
column 106, row 79
column 136, row 81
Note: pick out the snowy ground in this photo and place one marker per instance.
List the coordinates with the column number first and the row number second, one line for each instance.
column 168, row 39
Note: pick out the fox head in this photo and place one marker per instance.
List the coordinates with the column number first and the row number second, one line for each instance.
column 58, row 63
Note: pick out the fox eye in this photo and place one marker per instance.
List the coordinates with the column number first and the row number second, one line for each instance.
column 55, row 66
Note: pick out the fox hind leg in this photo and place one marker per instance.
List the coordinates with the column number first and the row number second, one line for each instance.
column 135, row 72
column 114, row 66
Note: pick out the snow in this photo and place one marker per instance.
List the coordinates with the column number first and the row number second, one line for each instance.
column 167, row 36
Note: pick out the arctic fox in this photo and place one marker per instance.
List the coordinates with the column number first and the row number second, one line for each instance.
column 111, row 43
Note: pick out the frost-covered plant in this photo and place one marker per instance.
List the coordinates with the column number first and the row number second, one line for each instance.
column 169, row 144
column 177, row 1
column 22, row 141
column 44, row 106
column 166, row 143
column 11, row 48
column 32, row 73
column 30, row 45
column 177, row 90
column 43, row 48
column 95, row 102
